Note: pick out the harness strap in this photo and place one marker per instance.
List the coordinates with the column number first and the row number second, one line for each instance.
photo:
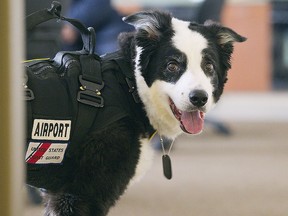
column 41, row 16
column 89, row 95
column 125, row 76
column 91, row 68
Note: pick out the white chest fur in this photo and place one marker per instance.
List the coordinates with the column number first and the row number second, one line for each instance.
column 145, row 160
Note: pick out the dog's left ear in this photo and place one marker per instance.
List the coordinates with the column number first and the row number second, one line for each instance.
column 149, row 23
column 224, row 35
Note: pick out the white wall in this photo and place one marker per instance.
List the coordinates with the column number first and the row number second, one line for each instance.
column 16, row 47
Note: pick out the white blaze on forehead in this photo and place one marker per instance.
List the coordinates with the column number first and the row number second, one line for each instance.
column 189, row 42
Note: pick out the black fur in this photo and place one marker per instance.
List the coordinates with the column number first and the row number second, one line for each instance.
column 155, row 37
column 108, row 158
column 219, row 52
column 107, row 161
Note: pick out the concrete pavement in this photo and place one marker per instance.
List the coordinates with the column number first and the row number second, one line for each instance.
column 242, row 174
column 245, row 174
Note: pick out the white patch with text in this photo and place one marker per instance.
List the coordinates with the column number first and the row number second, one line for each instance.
column 45, row 152
column 44, row 129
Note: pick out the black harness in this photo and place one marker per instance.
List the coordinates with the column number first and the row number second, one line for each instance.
column 90, row 104
column 69, row 97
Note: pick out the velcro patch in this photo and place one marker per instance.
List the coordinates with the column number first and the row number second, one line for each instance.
column 46, row 152
column 45, row 129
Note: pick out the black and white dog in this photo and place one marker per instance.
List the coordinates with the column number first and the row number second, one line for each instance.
column 180, row 70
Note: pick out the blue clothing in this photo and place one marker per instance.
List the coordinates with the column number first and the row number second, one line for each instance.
column 100, row 15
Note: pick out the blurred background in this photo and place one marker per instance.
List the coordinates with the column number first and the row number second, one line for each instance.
column 238, row 165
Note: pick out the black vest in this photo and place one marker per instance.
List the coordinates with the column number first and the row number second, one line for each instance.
column 67, row 98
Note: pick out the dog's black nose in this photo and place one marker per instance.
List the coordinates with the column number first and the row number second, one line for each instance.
column 198, row 98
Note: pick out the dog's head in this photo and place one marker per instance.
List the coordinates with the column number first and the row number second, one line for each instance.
column 180, row 69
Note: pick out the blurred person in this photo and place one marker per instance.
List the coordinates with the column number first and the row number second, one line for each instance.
column 100, row 15
column 210, row 10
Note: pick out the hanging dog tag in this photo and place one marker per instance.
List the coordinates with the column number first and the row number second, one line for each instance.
column 167, row 168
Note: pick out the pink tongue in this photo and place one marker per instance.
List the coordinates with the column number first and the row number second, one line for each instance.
column 192, row 122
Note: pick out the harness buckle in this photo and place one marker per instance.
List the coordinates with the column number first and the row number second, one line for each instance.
column 90, row 93
column 28, row 94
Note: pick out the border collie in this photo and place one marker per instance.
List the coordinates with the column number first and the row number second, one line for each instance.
column 180, row 70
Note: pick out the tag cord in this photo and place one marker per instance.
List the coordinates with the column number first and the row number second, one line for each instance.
column 162, row 144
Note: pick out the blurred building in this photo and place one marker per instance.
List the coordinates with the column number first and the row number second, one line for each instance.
column 280, row 43
column 260, row 64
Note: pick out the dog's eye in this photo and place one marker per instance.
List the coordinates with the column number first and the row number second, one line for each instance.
column 209, row 68
column 173, row 67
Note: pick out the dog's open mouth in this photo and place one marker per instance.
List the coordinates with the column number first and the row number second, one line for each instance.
column 190, row 122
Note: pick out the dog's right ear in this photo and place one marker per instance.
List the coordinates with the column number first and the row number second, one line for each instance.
column 149, row 23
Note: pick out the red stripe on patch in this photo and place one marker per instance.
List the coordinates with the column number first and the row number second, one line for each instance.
column 38, row 153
